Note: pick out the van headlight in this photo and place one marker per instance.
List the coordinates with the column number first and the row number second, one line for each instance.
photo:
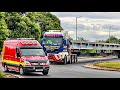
column 47, row 62
column 27, row 62
column 44, row 64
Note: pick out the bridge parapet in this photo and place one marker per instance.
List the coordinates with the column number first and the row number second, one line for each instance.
column 95, row 46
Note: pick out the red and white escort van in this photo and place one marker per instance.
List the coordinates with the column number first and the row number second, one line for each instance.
column 24, row 55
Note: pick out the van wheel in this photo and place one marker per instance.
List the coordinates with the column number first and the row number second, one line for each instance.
column 51, row 62
column 22, row 71
column 5, row 68
column 45, row 72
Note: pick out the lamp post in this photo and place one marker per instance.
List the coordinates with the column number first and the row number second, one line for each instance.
column 76, row 25
column 109, row 33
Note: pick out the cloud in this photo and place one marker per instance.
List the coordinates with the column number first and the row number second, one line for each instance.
column 71, row 32
column 102, row 33
column 83, row 20
column 100, row 15
column 92, row 25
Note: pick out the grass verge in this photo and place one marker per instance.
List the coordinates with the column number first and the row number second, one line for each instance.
column 1, row 75
column 114, row 65
column 95, row 56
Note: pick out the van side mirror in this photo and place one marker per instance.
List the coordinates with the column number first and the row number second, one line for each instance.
column 18, row 55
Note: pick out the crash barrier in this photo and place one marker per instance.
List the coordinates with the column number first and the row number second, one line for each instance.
column 73, row 58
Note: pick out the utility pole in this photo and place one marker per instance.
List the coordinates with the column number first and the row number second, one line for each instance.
column 109, row 33
column 109, row 36
column 76, row 26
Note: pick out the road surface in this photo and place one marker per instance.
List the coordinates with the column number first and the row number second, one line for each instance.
column 71, row 71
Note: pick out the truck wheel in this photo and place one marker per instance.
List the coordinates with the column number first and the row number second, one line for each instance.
column 45, row 72
column 22, row 72
column 65, row 60
column 5, row 68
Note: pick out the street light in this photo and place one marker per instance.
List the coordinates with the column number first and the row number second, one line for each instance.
column 109, row 32
column 76, row 25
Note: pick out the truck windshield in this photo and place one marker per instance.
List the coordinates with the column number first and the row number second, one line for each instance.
column 32, row 52
column 52, row 40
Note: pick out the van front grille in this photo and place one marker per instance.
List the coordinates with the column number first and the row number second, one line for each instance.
column 35, row 63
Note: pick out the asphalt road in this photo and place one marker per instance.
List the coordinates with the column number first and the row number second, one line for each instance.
column 71, row 71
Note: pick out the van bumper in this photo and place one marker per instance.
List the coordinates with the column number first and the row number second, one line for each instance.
column 36, row 68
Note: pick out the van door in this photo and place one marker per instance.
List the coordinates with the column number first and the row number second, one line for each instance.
column 6, row 54
column 17, row 57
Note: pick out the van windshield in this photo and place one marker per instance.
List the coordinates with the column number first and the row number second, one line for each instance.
column 32, row 52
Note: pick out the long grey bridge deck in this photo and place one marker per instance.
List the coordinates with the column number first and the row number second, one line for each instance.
column 94, row 45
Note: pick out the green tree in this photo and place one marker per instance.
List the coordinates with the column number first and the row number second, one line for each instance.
column 26, row 24
column 21, row 26
column 112, row 39
column 31, row 24
column 100, row 41
column 82, row 39
column 46, row 21
column 70, row 38
column 4, row 32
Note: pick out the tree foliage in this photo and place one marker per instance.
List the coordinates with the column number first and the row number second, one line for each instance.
column 82, row 39
column 113, row 39
column 26, row 24
column 4, row 32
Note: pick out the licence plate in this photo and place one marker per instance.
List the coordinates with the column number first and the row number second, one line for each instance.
column 39, row 70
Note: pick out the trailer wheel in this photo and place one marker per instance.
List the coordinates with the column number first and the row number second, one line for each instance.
column 119, row 56
column 76, row 60
column 65, row 60
column 69, row 62
column 5, row 68
column 71, row 59
column 22, row 72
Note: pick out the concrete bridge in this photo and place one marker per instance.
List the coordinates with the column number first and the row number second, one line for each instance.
column 99, row 47
column 94, row 45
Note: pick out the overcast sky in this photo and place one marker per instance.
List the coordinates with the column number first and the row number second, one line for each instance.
column 91, row 25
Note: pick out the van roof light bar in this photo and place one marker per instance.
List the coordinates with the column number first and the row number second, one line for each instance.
column 20, row 39
column 54, row 30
